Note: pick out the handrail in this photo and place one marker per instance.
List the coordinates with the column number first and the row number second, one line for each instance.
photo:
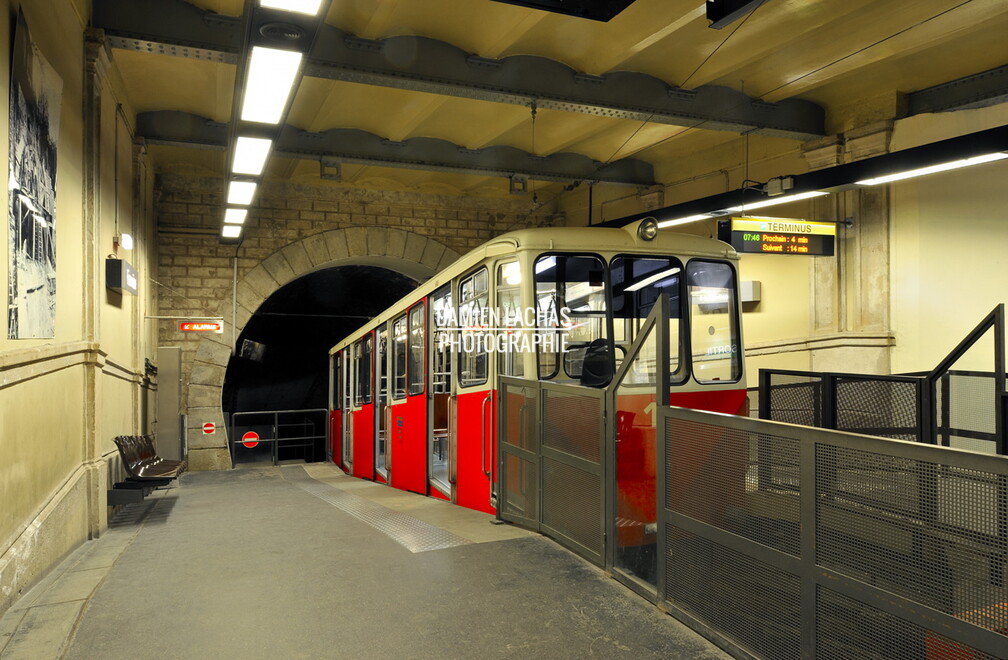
column 305, row 423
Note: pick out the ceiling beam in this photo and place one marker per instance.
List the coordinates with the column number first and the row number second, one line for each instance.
column 174, row 27
column 349, row 145
column 977, row 91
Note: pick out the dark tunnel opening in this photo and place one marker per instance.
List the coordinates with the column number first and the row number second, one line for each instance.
column 281, row 358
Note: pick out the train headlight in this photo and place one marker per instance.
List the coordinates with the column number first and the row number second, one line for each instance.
column 647, row 229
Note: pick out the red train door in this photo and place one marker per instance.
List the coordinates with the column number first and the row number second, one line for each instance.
column 364, row 412
column 442, row 433
column 408, row 412
column 473, row 406
column 335, row 408
column 345, row 457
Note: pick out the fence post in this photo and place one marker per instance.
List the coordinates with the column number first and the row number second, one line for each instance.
column 764, row 394
column 829, row 403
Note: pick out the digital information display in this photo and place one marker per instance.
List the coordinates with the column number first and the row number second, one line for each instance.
column 779, row 236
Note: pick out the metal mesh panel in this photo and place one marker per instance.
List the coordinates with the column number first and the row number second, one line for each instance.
column 519, row 420
column 520, row 495
column 965, row 406
column 755, row 604
column 796, row 399
column 873, row 406
column 572, row 503
column 925, row 531
column 846, row 628
column 741, row 482
column 573, row 423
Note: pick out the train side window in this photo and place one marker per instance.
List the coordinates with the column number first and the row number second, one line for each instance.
column 713, row 322
column 442, row 328
column 416, row 371
column 362, row 359
column 474, row 299
column 637, row 283
column 571, row 314
column 509, row 362
column 399, row 358
column 334, row 382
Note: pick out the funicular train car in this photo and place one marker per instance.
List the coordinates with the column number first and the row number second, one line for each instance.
column 414, row 392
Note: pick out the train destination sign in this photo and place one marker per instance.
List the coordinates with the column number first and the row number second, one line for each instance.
column 779, row 236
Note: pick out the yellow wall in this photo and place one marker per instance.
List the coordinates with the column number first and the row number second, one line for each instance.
column 949, row 260
column 63, row 399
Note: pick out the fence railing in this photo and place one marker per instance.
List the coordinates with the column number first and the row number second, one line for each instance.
column 788, row 542
column 963, row 408
column 277, row 430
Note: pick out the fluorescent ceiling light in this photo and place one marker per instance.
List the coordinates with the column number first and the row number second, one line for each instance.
column 235, row 216
column 231, row 231
column 240, row 193
column 954, row 165
column 774, row 201
column 250, row 155
column 271, row 76
column 636, row 286
column 309, row 7
column 682, row 221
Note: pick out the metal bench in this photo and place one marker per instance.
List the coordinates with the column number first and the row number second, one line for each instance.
column 145, row 470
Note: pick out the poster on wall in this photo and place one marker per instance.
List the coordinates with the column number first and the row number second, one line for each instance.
column 35, row 93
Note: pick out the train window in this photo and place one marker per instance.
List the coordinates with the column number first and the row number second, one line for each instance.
column 362, row 362
column 637, row 282
column 509, row 363
column 416, row 371
column 571, row 315
column 334, row 382
column 713, row 322
column 474, row 298
column 442, row 328
column 399, row 357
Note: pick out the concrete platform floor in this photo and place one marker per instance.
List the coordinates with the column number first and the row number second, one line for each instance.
column 279, row 562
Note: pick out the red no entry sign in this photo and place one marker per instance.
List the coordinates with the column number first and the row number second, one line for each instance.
column 250, row 439
column 209, row 428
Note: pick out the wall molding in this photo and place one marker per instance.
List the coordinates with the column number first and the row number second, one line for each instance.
column 822, row 342
column 20, row 365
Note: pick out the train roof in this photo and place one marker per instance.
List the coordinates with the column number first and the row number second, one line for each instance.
column 544, row 239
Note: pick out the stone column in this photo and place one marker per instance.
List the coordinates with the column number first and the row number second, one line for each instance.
column 850, row 291
column 97, row 61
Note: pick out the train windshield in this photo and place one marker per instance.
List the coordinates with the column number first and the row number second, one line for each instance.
column 570, row 292
column 714, row 335
column 637, row 283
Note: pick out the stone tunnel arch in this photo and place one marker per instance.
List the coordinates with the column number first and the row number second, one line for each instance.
column 405, row 252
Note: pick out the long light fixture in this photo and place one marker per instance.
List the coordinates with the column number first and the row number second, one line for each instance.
column 240, row 193
column 250, row 155
column 271, row 76
column 231, row 231
column 661, row 275
column 774, row 201
column 309, row 7
column 235, row 216
column 686, row 220
column 943, row 167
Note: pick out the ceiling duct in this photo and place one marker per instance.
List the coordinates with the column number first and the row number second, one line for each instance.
column 596, row 10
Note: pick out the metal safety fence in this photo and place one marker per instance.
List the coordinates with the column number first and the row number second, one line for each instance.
column 954, row 405
column 261, row 435
column 550, row 473
column 789, row 542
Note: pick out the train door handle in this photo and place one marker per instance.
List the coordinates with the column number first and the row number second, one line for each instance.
column 483, row 435
column 452, row 468
column 388, row 438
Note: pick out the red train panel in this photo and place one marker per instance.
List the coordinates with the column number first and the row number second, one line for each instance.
column 472, row 489
column 409, row 444
column 363, row 442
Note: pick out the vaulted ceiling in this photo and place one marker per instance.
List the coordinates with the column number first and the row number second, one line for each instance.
column 438, row 95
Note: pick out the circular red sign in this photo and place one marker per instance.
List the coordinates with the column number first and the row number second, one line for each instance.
column 209, row 428
column 250, row 439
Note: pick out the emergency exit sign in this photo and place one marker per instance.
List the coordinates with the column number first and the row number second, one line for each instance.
column 202, row 326
column 778, row 236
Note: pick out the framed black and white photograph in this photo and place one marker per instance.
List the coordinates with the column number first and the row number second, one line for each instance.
column 35, row 96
